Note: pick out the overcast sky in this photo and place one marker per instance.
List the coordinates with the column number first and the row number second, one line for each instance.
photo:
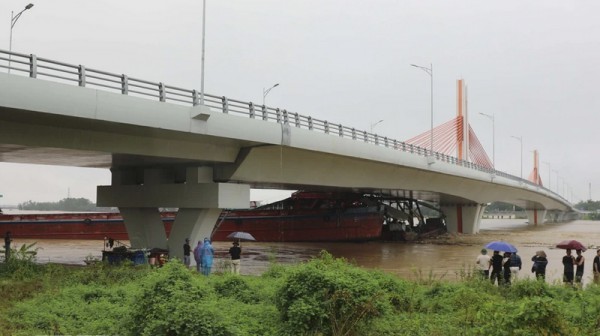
column 534, row 65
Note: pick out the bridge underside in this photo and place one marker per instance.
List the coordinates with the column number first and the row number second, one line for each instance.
column 155, row 151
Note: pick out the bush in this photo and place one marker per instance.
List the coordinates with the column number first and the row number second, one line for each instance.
column 173, row 301
column 329, row 296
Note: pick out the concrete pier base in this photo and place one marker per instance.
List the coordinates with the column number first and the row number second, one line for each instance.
column 463, row 218
column 198, row 198
column 536, row 217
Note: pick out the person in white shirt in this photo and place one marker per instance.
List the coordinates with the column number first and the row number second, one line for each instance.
column 483, row 264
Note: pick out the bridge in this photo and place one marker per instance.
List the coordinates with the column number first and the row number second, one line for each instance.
column 164, row 149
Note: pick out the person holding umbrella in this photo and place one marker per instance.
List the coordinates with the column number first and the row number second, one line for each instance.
column 496, row 263
column 568, row 262
column 235, row 251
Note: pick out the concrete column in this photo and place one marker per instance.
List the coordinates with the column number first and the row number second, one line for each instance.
column 536, row 216
column 140, row 193
column 144, row 227
column 463, row 218
column 195, row 224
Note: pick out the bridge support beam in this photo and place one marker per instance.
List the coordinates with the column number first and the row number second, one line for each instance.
column 198, row 198
column 463, row 218
column 536, row 217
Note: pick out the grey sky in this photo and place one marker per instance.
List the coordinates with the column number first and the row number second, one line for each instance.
column 533, row 64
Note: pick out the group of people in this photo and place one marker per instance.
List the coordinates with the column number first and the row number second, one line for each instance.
column 574, row 266
column 503, row 267
column 506, row 266
column 204, row 253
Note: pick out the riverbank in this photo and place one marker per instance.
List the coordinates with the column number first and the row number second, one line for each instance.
column 325, row 296
column 446, row 256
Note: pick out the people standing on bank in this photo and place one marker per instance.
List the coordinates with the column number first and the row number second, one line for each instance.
column 539, row 265
column 596, row 266
column 235, row 251
column 483, row 264
column 496, row 262
column 186, row 253
column 506, row 263
column 579, row 263
column 207, row 256
column 515, row 265
column 7, row 241
column 198, row 256
column 568, row 262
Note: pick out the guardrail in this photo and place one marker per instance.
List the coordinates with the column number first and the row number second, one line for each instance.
column 43, row 68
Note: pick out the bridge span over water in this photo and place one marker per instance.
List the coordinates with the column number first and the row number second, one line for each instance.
column 166, row 150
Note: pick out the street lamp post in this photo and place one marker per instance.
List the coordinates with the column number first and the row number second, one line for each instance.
column 375, row 124
column 520, row 138
column 13, row 22
column 549, row 175
column 493, row 137
column 202, row 58
column 429, row 71
column 266, row 92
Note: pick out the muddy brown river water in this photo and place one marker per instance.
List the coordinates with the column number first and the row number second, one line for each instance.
column 444, row 257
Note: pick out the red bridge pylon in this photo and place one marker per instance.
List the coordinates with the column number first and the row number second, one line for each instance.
column 456, row 137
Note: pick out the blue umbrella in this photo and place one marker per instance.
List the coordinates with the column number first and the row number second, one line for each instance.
column 501, row 246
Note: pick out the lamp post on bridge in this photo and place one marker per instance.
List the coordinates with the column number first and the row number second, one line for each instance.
column 375, row 124
column 493, row 137
column 549, row 175
column 266, row 92
column 202, row 59
column 429, row 71
column 520, row 138
column 13, row 22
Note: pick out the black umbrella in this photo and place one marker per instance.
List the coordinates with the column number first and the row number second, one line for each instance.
column 240, row 235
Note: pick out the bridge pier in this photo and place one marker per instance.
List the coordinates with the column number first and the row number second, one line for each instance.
column 536, row 216
column 463, row 218
column 140, row 193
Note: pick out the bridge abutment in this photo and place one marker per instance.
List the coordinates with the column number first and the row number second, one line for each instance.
column 463, row 218
column 140, row 193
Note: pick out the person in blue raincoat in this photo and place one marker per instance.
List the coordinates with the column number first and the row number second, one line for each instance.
column 207, row 256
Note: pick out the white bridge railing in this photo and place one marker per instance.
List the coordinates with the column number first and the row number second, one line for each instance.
column 43, row 68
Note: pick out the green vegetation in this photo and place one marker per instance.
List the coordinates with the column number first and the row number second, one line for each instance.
column 66, row 204
column 325, row 296
column 593, row 206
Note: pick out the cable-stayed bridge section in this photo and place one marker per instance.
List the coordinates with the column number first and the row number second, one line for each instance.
column 166, row 150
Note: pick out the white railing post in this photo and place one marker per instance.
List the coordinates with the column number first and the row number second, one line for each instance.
column 297, row 119
column 278, row 113
column 285, row 117
column 265, row 115
column 124, row 84
column 326, row 124
column 32, row 66
column 341, row 130
column 353, row 133
column 225, row 104
column 251, row 109
column 81, row 75
column 310, row 123
column 162, row 95
column 195, row 97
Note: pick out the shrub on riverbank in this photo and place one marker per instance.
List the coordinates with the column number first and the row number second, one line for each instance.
column 325, row 296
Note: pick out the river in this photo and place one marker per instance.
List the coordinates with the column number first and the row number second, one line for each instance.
column 444, row 257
